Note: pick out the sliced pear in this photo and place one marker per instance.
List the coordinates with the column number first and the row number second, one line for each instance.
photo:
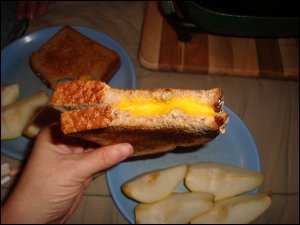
column 222, row 180
column 156, row 185
column 9, row 93
column 178, row 208
column 15, row 116
column 43, row 117
column 236, row 210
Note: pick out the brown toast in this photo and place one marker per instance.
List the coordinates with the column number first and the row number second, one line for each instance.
column 70, row 55
column 92, row 111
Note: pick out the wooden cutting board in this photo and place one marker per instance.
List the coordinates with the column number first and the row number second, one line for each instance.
column 160, row 50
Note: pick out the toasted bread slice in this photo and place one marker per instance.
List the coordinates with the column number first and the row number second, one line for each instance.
column 152, row 120
column 71, row 55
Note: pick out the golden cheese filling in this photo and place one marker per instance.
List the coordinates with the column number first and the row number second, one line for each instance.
column 153, row 107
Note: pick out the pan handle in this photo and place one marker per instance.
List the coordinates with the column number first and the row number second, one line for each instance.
column 183, row 27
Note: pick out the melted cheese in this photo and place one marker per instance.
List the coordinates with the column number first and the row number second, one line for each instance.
column 154, row 107
column 85, row 77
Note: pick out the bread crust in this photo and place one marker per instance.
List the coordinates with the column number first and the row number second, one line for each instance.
column 78, row 94
column 72, row 55
column 147, row 141
column 85, row 119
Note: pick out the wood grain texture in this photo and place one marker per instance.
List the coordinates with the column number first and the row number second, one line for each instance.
column 216, row 55
column 220, row 55
column 151, row 35
column 198, row 47
column 289, row 49
column 269, row 58
column 244, row 53
column 170, row 54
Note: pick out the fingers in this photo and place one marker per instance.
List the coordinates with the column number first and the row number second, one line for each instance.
column 103, row 158
column 64, row 144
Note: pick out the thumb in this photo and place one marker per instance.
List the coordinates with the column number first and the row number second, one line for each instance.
column 104, row 157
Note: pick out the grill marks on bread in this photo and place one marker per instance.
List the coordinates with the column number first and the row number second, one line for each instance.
column 86, row 119
column 78, row 94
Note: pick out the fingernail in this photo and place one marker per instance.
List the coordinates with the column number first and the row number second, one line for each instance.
column 125, row 150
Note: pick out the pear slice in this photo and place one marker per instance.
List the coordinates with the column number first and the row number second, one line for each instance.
column 156, row 185
column 222, row 180
column 178, row 208
column 9, row 93
column 43, row 117
column 236, row 210
column 15, row 116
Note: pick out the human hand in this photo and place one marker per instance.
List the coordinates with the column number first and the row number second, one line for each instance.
column 55, row 177
column 31, row 9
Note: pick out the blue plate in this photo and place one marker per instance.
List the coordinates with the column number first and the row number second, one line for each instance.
column 15, row 68
column 235, row 147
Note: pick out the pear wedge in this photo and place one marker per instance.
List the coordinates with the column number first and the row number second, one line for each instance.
column 15, row 116
column 222, row 180
column 9, row 93
column 156, row 185
column 178, row 208
column 45, row 116
column 235, row 210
